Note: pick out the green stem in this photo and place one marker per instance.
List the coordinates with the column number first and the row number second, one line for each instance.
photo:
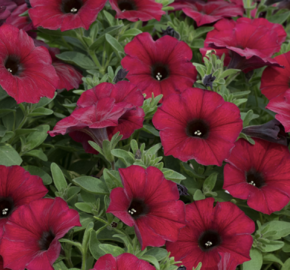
column 84, row 261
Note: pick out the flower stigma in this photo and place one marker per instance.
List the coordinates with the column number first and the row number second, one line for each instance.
column 208, row 244
column 5, row 211
column 73, row 10
column 158, row 76
column 252, row 183
column 198, row 133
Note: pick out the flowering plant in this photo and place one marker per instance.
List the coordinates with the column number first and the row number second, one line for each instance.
column 144, row 134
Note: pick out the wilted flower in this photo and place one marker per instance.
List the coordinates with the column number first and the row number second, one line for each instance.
column 150, row 203
column 169, row 31
column 121, row 75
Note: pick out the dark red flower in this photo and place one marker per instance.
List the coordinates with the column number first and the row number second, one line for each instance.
column 281, row 106
column 276, row 80
column 248, row 44
column 134, row 10
column 124, row 261
column 210, row 233
column 162, row 66
column 18, row 187
column 103, row 111
column 150, row 203
column 260, row 174
column 205, row 13
column 26, row 72
column 198, row 124
column 30, row 239
column 6, row 7
column 65, row 14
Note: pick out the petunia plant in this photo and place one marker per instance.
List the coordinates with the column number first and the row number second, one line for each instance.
column 144, row 134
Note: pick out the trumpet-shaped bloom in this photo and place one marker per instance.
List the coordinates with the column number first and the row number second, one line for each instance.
column 150, row 203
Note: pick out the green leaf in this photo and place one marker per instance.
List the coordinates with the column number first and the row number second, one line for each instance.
column 198, row 267
column 110, row 18
column 158, row 253
column 36, row 153
column 154, row 149
column 85, row 207
column 77, row 58
column 286, row 265
column 198, row 195
column 110, row 249
column 209, row 182
column 47, row 180
column 228, row 72
column 202, row 30
column 36, row 138
column 271, row 258
column 280, row 17
column 255, row 262
column 151, row 259
column 172, row 175
column 58, row 177
column 282, row 228
column 91, row 184
column 2, row 131
column 125, row 156
column 9, row 156
column 116, row 46
column 94, row 246
column 112, row 178
column 130, row 33
column 270, row 245
column 41, row 111
column 150, row 129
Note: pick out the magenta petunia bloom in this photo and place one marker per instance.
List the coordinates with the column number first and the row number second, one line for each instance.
column 135, row 10
column 150, row 203
column 18, row 187
column 198, row 124
column 281, row 106
column 248, row 44
column 26, row 72
column 211, row 233
column 65, row 14
column 103, row 111
column 160, row 67
column 30, row 239
column 260, row 174
column 276, row 80
column 124, row 261
column 206, row 13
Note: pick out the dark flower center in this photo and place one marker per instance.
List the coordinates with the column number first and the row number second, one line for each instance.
column 160, row 72
column 209, row 240
column 71, row 6
column 127, row 5
column 13, row 65
column 255, row 178
column 45, row 240
column 138, row 208
column 197, row 128
column 6, row 207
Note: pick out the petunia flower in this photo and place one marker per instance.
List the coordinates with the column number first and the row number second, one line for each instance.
column 6, row 7
column 103, row 111
column 160, row 67
column 65, row 14
column 206, row 13
column 30, row 239
column 198, row 124
column 124, row 261
column 260, row 174
column 210, row 233
column 150, row 203
column 26, row 72
column 18, row 187
column 248, row 44
column 276, row 80
column 134, row 10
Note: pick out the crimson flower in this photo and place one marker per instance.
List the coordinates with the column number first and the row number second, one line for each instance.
column 162, row 66
column 206, row 13
column 26, row 72
column 65, row 14
column 198, row 124
column 248, row 44
column 281, row 106
column 276, row 80
column 134, row 10
column 103, row 111
column 259, row 174
column 18, row 187
column 210, row 233
column 124, row 261
column 6, row 7
column 150, row 203
column 30, row 239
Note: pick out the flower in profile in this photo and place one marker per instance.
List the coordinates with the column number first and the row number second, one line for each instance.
column 210, row 233
column 26, row 72
column 6, row 7
column 65, row 14
column 124, row 261
column 260, row 174
column 33, row 231
column 281, row 106
column 276, row 80
column 18, row 187
column 150, row 203
column 248, row 44
column 206, row 13
column 103, row 111
column 162, row 66
column 134, row 10
column 198, row 124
